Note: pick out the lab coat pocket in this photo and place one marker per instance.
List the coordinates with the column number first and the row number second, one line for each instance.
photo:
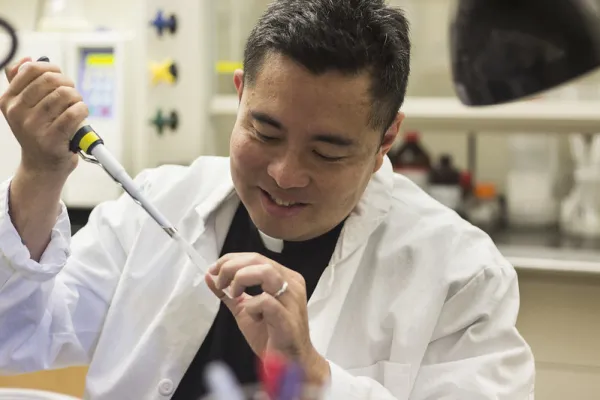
column 393, row 376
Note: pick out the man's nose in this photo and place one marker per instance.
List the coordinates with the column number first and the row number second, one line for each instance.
column 288, row 173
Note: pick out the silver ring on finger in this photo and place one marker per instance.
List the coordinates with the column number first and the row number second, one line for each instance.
column 282, row 290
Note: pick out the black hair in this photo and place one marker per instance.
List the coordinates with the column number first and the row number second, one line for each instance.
column 349, row 36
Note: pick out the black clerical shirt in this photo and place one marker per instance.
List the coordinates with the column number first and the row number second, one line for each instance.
column 224, row 340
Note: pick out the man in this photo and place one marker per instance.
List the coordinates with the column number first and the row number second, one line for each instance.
column 375, row 289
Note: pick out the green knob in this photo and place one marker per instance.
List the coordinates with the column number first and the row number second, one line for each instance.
column 161, row 121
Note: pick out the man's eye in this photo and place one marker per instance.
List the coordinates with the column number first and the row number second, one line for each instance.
column 264, row 138
column 326, row 158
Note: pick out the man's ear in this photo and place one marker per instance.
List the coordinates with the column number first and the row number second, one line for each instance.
column 388, row 140
column 392, row 133
column 238, row 81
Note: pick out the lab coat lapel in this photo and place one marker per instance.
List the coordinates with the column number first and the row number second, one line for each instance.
column 338, row 277
column 211, row 212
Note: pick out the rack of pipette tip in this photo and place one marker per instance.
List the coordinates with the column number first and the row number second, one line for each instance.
column 280, row 379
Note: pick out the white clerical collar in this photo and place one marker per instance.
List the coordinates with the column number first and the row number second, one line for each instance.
column 272, row 244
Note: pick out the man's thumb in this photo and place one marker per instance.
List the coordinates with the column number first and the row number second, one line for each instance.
column 11, row 71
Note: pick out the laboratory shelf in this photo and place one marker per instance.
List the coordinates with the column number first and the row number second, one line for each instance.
column 549, row 251
column 448, row 114
column 543, row 261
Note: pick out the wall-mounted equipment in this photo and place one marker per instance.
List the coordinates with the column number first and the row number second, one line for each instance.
column 97, row 62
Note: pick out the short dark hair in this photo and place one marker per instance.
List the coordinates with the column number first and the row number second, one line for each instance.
column 350, row 36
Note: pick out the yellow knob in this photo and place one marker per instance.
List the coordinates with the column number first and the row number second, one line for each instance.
column 165, row 71
column 228, row 67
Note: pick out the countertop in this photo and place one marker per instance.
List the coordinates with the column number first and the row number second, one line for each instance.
column 549, row 250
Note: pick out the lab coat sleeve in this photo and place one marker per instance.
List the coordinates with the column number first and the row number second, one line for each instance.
column 344, row 385
column 51, row 312
column 476, row 351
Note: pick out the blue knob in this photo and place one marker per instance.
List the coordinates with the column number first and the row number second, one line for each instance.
column 161, row 23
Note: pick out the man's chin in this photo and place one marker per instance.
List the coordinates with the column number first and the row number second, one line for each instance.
column 276, row 229
column 276, row 232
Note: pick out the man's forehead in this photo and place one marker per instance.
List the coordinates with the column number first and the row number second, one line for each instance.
column 280, row 74
column 328, row 95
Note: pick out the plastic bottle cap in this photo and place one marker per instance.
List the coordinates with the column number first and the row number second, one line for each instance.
column 485, row 190
column 411, row 136
column 465, row 178
column 445, row 159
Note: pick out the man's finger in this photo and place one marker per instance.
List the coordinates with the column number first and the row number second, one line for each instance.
column 228, row 269
column 28, row 74
column 215, row 269
column 210, row 281
column 270, row 309
column 234, row 304
column 12, row 71
column 265, row 275
column 42, row 86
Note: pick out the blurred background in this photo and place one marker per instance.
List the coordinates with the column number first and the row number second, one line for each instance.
column 157, row 78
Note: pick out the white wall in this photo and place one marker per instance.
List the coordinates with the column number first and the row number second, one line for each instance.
column 20, row 13
column 113, row 14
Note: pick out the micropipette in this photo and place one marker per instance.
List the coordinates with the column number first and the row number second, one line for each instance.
column 90, row 147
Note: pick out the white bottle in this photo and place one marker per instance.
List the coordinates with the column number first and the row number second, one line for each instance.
column 531, row 181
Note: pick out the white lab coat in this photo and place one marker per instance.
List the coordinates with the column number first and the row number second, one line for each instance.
column 416, row 303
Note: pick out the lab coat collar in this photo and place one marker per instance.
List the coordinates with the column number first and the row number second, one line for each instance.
column 221, row 194
column 195, row 222
column 368, row 214
column 370, row 211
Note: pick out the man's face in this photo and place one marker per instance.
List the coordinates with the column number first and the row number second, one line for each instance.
column 302, row 151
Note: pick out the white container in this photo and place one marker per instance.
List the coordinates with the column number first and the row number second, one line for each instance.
column 580, row 211
column 531, row 180
column 448, row 195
